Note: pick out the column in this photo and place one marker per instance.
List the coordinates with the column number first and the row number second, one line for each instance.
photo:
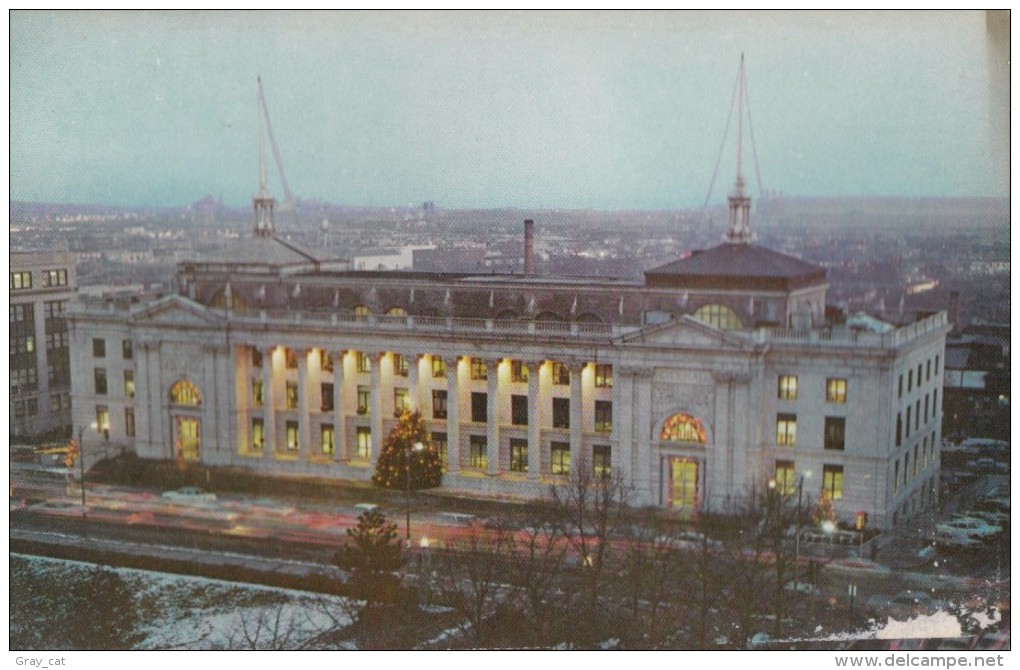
column 492, row 415
column 643, row 478
column 339, row 429
column 452, row 416
column 413, row 395
column 375, row 405
column 534, row 423
column 575, row 416
column 304, row 429
column 268, row 400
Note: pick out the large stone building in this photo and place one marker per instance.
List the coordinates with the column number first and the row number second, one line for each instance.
column 41, row 286
column 718, row 372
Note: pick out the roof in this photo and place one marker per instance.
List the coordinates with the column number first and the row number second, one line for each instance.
column 736, row 266
column 259, row 250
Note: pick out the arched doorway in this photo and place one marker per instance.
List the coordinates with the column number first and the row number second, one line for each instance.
column 683, row 472
column 185, row 401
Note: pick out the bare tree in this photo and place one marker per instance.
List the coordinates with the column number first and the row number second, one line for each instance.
column 540, row 553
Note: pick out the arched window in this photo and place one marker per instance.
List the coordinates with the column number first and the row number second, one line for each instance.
column 185, row 393
column 396, row 311
column 719, row 316
column 683, row 428
column 548, row 316
column 360, row 310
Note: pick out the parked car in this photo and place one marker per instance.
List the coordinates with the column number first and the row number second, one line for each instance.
column 976, row 528
column 189, row 494
column 991, row 516
column 955, row 540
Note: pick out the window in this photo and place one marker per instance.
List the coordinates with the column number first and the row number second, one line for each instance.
column 438, row 367
column 325, row 361
column 56, row 341
column 326, row 435
column 401, row 401
column 560, row 374
column 54, row 309
column 936, row 364
column 906, row 468
column 396, row 311
column 129, row 421
column 920, row 366
column 438, row 404
column 327, row 397
column 561, row 412
column 934, row 403
column 256, row 393
column 601, row 461
column 364, row 364
column 914, row 473
column 26, row 313
column 127, row 350
column 364, row 435
column 603, row 416
column 479, row 369
column 603, row 376
column 23, row 380
column 560, row 456
column 519, row 410
column 103, row 418
column 835, row 432
column 22, row 343
column 899, row 429
column 21, row 280
column 290, row 358
column 917, row 414
column 364, row 396
column 100, row 379
column 683, row 428
column 786, row 430
column 786, row 476
column 910, row 379
column 787, row 387
column 896, row 477
column 292, row 436
column 479, row 407
column 908, row 423
column 835, row 390
column 32, row 406
column 479, row 454
column 439, row 442
column 54, row 278
column 98, row 348
column 360, row 310
column 258, row 434
column 518, row 455
column 256, row 358
column 927, row 371
column 832, row 482
column 400, row 365
column 518, row 372
column 292, row 395
column 926, row 407
column 129, row 383
column 719, row 316
column 899, row 393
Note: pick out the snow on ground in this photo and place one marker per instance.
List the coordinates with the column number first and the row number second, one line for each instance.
column 939, row 624
column 182, row 612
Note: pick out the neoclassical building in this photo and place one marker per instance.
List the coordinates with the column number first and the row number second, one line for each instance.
column 718, row 372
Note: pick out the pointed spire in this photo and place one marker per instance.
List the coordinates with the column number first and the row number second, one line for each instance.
column 740, row 202
column 263, row 203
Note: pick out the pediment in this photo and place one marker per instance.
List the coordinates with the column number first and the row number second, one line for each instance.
column 176, row 311
column 685, row 332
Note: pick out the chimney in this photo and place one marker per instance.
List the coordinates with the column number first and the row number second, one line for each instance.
column 529, row 247
column 954, row 309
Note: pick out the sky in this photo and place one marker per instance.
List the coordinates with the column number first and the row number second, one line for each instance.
column 524, row 109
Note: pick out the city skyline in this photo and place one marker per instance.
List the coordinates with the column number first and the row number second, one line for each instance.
column 519, row 109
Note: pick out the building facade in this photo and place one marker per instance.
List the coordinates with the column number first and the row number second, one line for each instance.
column 42, row 284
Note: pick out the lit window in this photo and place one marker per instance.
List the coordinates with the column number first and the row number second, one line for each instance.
column 519, row 410
column 561, row 412
column 292, row 436
column 439, row 442
column 21, row 280
column 479, row 407
column 325, row 361
column 364, row 363
column 479, row 369
column 258, row 434
column 102, row 418
column 603, row 416
column 360, row 310
column 256, row 392
column 54, row 278
column 518, row 371
column 560, row 374
column 364, row 442
column 326, row 435
column 786, row 430
column 100, row 379
column 518, row 455
column 290, row 356
column 399, row 365
column 364, row 396
column 835, row 390
column 601, row 461
column 603, row 375
column 832, row 482
column 560, row 458
column 438, row 404
column 787, row 387
column 438, row 367
column 401, row 401
column 835, row 432
column 479, row 453
column 720, row 316
column 129, row 383
column 292, row 395
column 786, row 476
column 396, row 311
column 683, row 428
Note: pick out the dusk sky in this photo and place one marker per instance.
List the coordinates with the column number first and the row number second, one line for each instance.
column 535, row 110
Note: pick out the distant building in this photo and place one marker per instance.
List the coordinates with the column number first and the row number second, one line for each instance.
column 41, row 286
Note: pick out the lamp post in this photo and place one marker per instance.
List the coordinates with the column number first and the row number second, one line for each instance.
column 81, row 469
column 417, row 446
column 796, row 544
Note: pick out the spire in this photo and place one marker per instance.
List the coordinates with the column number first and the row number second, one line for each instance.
column 740, row 202
column 263, row 203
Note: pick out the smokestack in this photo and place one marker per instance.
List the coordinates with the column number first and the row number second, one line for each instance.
column 954, row 309
column 529, row 247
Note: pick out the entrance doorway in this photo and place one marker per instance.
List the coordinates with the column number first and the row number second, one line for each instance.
column 683, row 484
column 187, row 440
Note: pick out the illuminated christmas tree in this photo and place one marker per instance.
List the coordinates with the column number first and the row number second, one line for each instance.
column 402, row 457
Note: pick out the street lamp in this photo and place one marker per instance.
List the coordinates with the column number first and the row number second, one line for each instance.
column 417, row 446
column 796, row 545
column 81, row 466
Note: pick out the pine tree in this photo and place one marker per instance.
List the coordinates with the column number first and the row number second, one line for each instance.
column 399, row 458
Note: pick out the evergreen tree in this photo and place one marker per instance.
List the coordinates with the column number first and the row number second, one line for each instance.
column 399, row 459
